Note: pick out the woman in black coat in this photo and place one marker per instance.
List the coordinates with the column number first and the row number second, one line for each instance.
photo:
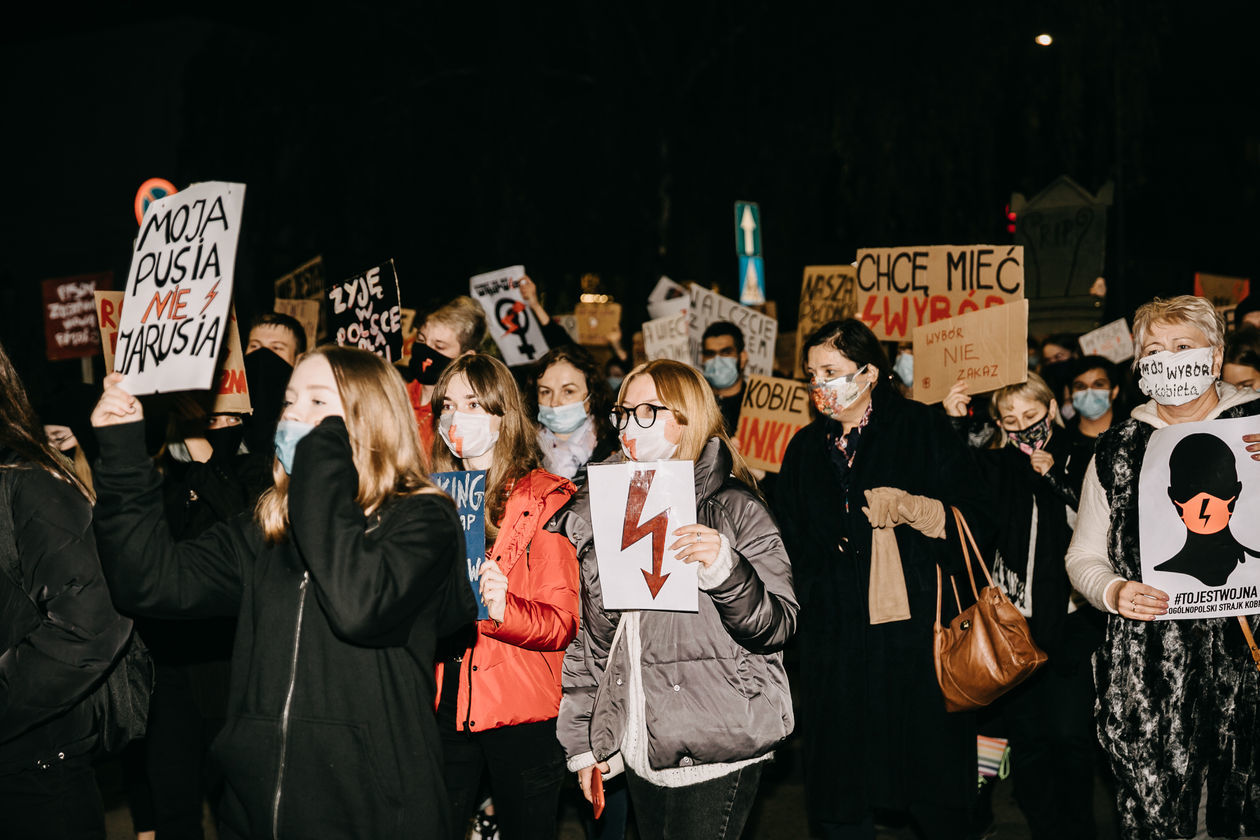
column 876, row 731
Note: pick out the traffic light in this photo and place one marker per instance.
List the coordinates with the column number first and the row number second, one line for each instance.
column 1010, row 220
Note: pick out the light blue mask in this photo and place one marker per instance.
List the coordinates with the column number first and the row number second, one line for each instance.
column 904, row 368
column 1092, row 403
column 563, row 419
column 721, row 371
column 614, row 384
column 288, row 433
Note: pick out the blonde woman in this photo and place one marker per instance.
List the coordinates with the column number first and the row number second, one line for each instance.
column 350, row 568
column 499, row 683
column 689, row 704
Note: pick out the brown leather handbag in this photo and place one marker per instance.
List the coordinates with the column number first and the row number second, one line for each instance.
column 987, row 649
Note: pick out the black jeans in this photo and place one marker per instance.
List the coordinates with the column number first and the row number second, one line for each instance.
column 713, row 810
column 61, row 802
column 526, row 768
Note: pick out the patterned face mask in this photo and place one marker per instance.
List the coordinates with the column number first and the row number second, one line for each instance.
column 1034, row 437
column 835, row 395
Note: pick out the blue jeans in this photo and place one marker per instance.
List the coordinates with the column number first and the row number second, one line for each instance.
column 713, row 810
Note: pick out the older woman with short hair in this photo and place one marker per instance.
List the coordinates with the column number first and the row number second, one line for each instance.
column 1178, row 701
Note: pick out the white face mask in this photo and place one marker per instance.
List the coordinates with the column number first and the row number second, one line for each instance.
column 467, row 435
column 835, row 395
column 648, row 444
column 1177, row 378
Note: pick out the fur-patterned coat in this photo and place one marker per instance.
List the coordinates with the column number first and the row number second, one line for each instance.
column 1178, row 701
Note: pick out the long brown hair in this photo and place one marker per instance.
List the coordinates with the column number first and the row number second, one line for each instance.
column 384, row 441
column 516, row 452
column 684, row 391
column 21, row 432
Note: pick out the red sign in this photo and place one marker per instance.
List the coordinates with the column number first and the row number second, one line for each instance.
column 149, row 192
column 70, row 330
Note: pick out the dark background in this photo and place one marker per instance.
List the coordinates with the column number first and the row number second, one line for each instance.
column 613, row 138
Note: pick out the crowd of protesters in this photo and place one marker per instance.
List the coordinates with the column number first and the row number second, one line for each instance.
column 319, row 670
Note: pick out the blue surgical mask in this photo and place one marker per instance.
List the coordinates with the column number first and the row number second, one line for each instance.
column 563, row 419
column 1092, row 403
column 288, row 434
column 721, row 371
column 904, row 368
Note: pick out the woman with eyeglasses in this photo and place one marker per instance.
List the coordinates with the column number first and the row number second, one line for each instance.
column 691, row 705
column 879, row 735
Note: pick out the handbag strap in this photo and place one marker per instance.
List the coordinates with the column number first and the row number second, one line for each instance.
column 1242, row 621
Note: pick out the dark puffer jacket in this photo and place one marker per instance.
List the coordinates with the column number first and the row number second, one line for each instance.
column 714, row 685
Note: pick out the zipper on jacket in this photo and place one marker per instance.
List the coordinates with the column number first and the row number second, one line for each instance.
column 468, row 711
column 288, row 705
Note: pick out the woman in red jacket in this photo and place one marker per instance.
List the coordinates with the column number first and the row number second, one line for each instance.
column 499, row 687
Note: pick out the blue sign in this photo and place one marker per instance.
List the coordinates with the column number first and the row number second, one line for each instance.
column 752, row 281
column 468, row 489
column 747, row 229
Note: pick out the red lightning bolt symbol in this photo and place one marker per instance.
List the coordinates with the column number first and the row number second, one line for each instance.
column 632, row 530
column 210, row 296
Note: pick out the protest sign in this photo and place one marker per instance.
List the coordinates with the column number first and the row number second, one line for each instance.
column 759, row 330
column 668, row 338
column 987, row 349
column 179, row 287
column 828, row 293
column 667, row 298
column 108, row 308
column 512, row 324
column 771, row 411
column 306, row 282
column 1195, row 478
column 305, row 311
column 899, row 289
column 468, row 489
column 635, row 508
column 596, row 321
column 1112, row 341
column 364, row 312
column 231, row 396
column 1222, row 291
column 70, row 330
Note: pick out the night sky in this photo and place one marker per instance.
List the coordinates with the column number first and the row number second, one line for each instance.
column 613, row 138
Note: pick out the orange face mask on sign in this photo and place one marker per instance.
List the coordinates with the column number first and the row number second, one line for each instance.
column 1205, row 513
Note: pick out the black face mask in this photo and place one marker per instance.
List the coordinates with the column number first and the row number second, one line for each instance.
column 427, row 364
column 225, row 441
column 268, row 375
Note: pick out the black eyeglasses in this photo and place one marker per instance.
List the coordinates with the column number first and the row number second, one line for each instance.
column 644, row 414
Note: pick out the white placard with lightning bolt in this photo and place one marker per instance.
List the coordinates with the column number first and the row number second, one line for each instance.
column 174, row 319
column 635, row 508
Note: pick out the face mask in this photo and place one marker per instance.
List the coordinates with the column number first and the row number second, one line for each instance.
column 1092, row 403
column 614, row 384
column 467, row 435
column 721, row 371
column 426, row 363
column 1205, row 513
column 225, row 441
column 563, row 419
column 288, row 433
column 647, row 444
column 835, row 395
column 1034, row 437
column 1176, row 378
column 904, row 368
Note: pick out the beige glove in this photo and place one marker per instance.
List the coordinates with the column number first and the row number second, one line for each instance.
column 886, row 508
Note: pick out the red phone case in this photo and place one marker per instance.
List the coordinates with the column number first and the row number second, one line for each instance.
column 597, row 792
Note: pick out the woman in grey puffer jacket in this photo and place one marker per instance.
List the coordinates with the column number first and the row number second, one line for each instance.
column 690, row 704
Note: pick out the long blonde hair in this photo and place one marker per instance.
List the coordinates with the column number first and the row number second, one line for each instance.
column 516, row 452
column 684, row 392
column 384, row 441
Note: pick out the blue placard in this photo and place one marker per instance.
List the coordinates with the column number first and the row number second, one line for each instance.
column 752, row 281
column 468, row 489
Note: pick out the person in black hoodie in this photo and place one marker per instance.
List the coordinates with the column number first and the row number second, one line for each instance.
column 59, row 633
column 349, row 569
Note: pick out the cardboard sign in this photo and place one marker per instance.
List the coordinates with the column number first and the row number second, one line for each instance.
column 468, row 489
column 306, row 312
column 1222, row 291
column 364, row 312
column 828, row 293
column 108, row 310
column 1197, row 540
column 899, row 289
column 772, row 411
column 668, row 338
column 306, row 282
column 69, row 315
column 512, row 324
column 596, row 321
column 759, row 330
column 635, row 508
column 232, row 394
column 1112, row 341
column 179, row 290
column 667, row 298
column 986, row 349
